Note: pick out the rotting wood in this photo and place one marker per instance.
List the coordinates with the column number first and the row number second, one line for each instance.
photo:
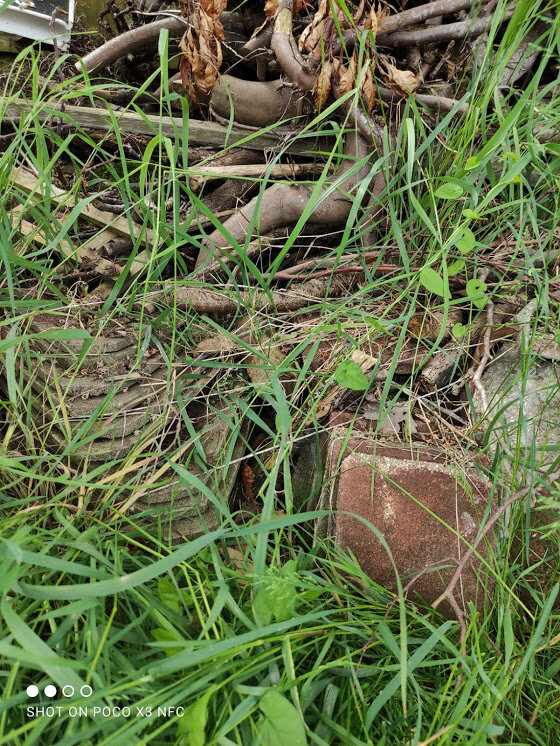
column 254, row 171
column 29, row 183
column 200, row 133
column 299, row 295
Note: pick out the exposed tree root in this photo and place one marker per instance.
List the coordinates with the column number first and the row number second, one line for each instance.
column 283, row 204
column 131, row 41
column 299, row 295
column 255, row 103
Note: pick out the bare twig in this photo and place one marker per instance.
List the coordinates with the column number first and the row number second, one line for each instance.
column 447, row 594
column 477, row 382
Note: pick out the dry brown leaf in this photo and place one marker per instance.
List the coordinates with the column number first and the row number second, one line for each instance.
column 359, row 14
column 322, row 87
column 391, row 419
column 367, row 88
column 202, row 51
column 271, row 7
column 214, row 8
column 311, row 35
column 374, row 20
column 345, row 77
column 401, row 81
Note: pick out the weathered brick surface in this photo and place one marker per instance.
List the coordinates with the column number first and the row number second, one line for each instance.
column 427, row 509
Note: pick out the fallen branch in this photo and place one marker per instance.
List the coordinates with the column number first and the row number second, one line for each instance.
column 422, row 13
column 435, row 102
column 255, row 103
column 120, row 226
column 296, row 297
column 400, row 21
column 210, row 134
column 522, row 60
column 461, row 30
column 285, row 48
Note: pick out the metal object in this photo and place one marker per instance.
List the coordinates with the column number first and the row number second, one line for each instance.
column 41, row 20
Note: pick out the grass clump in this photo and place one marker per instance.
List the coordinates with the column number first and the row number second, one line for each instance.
column 258, row 631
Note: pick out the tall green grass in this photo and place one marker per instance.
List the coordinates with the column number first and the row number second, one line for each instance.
column 259, row 628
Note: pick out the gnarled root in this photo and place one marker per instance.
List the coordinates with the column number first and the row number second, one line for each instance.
column 283, row 204
column 255, row 103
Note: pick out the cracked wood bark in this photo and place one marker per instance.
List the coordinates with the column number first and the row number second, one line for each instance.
column 299, row 295
column 199, row 132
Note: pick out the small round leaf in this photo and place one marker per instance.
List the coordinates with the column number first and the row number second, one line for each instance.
column 459, row 330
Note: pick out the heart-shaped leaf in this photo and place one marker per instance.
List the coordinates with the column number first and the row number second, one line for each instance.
column 475, row 291
column 471, row 214
column 459, row 330
column 351, row 376
column 466, row 241
column 456, row 267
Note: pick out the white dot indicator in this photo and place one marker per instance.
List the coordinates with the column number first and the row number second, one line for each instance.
column 50, row 690
column 86, row 690
column 32, row 690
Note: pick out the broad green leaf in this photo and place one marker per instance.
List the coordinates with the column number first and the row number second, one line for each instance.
column 168, row 594
column 466, row 241
column 449, row 190
column 433, row 282
column 471, row 214
column 283, row 725
column 456, row 267
column 193, row 723
column 277, row 594
column 459, row 330
column 472, row 162
column 477, row 288
column 351, row 376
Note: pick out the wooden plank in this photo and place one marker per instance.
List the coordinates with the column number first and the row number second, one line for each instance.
column 29, row 183
column 200, row 133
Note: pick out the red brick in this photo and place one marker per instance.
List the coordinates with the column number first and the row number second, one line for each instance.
column 417, row 500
